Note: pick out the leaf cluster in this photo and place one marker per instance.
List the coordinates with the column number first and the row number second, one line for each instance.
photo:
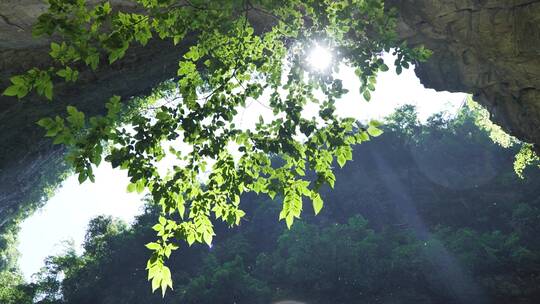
column 227, row 64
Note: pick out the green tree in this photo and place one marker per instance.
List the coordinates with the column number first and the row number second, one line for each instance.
column 226, row 63
column 99, row 232
column 12, row 289
column 229, row 282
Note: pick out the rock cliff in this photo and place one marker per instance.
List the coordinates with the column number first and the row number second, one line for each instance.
column 490, row 48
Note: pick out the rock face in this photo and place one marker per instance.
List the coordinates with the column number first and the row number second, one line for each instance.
column 490, row 48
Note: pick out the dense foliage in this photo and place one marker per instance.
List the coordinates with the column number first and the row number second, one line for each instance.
column 526, row 157
column 427, row 213
column 234, row 51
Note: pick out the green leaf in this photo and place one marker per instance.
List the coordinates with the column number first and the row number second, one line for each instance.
column 367, row 95
column 190, row 239
column 162, row 220
column 373, row 131
column 192, row 54
column 18, row 80
column 92, row 60
column 156, row 281
column 75, row 117
column 341, row 160
column 330, row 179
column 48, row 91
column 140, row 186
column 375, row 123
column 19, row 87
column 46, row 123
column 12, row 90
column 55, row 47
column 131, row 187
column 82, row 177
column 106, row 8
column 289, row 219
column 113, row 106
column 186, row 68
column 62, row 73
column 364, row 136
column 317, row 203
column 166, row 280
column 207, row 238
column 153, row 246
column 157, row 227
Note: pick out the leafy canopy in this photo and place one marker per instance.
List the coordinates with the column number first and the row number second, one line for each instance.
column 226, row 63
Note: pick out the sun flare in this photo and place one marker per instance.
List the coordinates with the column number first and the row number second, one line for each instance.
column 319, row 58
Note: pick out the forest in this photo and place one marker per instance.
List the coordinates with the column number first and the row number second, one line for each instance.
column 427, row 213
column 304, row 206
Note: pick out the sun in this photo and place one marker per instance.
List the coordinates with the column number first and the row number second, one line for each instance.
column 319, row 58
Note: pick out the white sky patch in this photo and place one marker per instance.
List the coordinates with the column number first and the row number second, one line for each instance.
column 392, row 91
column 67, row 213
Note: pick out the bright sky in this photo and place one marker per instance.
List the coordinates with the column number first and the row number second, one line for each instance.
column 66, row 215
